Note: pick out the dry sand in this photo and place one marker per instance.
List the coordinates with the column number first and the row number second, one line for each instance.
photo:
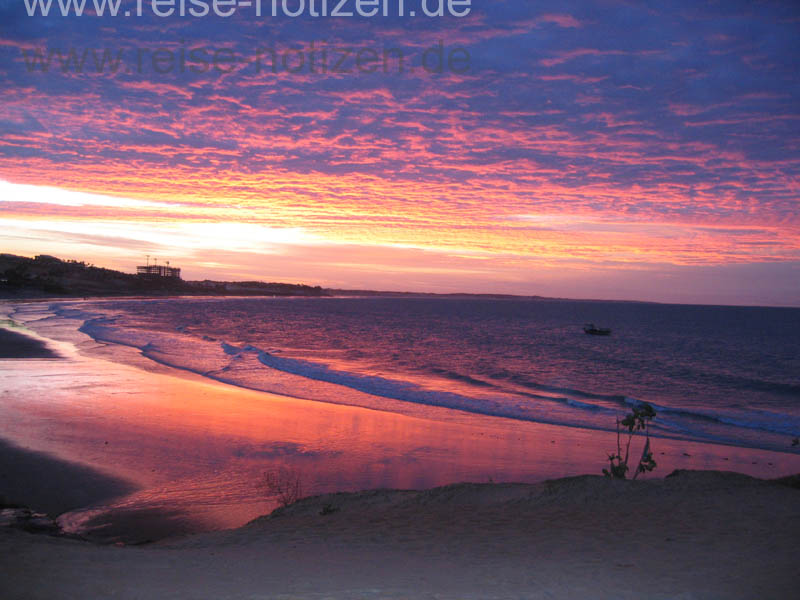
column 691, row 535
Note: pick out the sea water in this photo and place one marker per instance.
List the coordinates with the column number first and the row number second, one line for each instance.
column 728, row 375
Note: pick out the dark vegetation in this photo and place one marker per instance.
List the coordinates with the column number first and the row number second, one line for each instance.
column 284, row 485
column 637, row 421
column 46, row 276
column 50, row 277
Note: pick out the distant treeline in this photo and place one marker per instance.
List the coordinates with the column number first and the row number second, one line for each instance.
column 48, row 276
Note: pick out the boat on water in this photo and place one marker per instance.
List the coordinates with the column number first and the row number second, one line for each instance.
column 592, row 330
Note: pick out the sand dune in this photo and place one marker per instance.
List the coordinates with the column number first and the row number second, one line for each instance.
column 690, row 535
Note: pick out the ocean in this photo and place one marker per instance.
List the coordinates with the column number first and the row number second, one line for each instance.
column 727, row 375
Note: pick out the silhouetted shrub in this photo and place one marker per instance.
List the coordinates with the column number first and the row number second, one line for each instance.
column 284, row 484
column 637, row 420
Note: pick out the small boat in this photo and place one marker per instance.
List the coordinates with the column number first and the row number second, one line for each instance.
column 592, row 330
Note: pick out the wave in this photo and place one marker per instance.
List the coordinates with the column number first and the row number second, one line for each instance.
column 380, row 387
column 190, row 353
column 753, row 419
column 452, row 375
column 526, row 400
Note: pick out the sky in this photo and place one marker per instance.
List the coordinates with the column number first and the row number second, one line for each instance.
column 588, row 149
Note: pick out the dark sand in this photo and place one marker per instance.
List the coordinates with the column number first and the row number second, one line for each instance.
column 695, row 535
column 17, row 345
column 50, row 485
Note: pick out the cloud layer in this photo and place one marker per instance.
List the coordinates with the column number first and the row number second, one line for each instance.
column 586, row 135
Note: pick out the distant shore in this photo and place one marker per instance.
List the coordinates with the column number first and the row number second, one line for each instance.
column 48, row 277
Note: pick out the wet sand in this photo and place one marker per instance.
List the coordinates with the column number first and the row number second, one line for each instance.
column 195, row 451
column 18, row 345
column 50, row 485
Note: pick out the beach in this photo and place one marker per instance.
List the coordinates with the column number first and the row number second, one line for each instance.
column 16, row 345
column 692, row 535
column 399, row 300
column 154, row 480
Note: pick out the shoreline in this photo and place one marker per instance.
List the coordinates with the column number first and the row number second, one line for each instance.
column 196, row 448
column 186, row 452
column 161, row 504
column 36, row 296
column 17, row 345
column 47, row 484
column 358, row 397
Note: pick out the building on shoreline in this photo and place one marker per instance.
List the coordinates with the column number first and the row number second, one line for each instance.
column 158, row 272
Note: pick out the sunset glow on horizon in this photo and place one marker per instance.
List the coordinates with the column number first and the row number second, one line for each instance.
column 591, row 150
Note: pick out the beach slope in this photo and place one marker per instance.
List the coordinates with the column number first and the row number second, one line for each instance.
column 691, row 535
